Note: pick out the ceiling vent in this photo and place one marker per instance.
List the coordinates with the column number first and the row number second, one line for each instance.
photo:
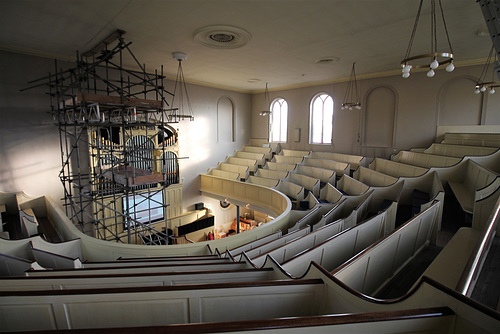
column 222, row 37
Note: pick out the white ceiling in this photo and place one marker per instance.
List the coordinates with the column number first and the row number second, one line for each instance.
column 287, row 35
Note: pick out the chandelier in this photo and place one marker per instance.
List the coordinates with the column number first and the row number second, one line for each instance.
column 267, row 105
column 351, row 97
column 181, row 112
column 434, row 58
column 481, row 84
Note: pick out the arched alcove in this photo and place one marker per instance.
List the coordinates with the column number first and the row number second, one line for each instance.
column 456, row 97
column 225, row 120
column 379, row 117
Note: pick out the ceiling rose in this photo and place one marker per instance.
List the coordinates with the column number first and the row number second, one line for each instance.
column 222, row 37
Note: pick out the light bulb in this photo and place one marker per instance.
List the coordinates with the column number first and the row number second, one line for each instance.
column 477, row 91
column 450, row 67
column 350, row 108
column 406, row 74
column 434, row 64
column 492, row 90
column 431, row 73
column 406, row 68
column 359, row 107
column 483, row 89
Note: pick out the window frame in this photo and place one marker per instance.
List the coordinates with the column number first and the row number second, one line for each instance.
column 271, row 118
column 311, row 123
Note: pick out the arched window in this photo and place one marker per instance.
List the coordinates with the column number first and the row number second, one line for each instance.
column 321, row 122
column 278, row 121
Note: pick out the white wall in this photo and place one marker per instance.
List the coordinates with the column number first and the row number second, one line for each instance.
column 422, row 103
column 30, row 157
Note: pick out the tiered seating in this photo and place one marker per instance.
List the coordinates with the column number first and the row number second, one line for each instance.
column 260, row 157
column 459, row 151
column 424, row 159
column 340, row 168
column 282, row 167
column 250, row 163
column 353, row 160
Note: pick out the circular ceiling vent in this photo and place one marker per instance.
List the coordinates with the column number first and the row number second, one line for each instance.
column 222, row 37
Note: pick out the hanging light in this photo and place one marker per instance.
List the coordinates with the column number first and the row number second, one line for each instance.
column 267, row 105
column 481, row 85
column 435, row 57
column 180, row 112
column 351, row 97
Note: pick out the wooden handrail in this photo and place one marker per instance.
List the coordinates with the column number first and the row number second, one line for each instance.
column 281, row 323
column 201, row 286
column 479, row 253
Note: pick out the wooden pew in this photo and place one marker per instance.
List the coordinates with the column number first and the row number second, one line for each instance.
column 330, row 194
column 424, row 160
column 473, row 139
column 145, row 268
column 292, row 190
column 459, row 151
column 279, row 166
column 334, row 251
column 255, row 243
column 353, row 160
column 472, row 182
column 264, row 248
column 224, row 174
column 281, row 159
column 244, row 171
column 324, row 175
column 29, row 223
column 250, row 163
column 260, row 157
column 340, row 168
column 283, row 253
column 254, row 149
column 155, row 306
column 309, row 183
column 371, row 269
column 396, row 169
column 271, row 174
column 311, row 218
column 23, row 283
column 351, row 187
column 261, row 181
column 16, row 266
column 373, row 178
column 294, row 153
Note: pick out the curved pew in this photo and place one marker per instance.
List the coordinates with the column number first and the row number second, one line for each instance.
column 396, row 169
column 324, row 175
column 260, row 157
column 224, row 174
column 424, row 160
column 282, row 167
column 282, row 159
column 255, row 243
column 375, row 266
column 250, row 163
column 459, row 151
column 255, row 149
column 340, row 168
column 353, row 160
column 271, row 174
column 262, row 181
column 294, row 153
column 309, row 183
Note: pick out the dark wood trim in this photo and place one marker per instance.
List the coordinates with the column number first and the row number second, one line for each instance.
column 226, row 286
column 177, row 257
column 279, row 323
column 168, row 273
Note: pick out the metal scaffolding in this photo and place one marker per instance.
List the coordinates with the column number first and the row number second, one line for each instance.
column 118, row 151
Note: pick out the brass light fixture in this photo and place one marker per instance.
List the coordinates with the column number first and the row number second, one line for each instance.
column 436, row 58
column 481, row 84
column 351, row 97
column 267, row 104
column 181, row 112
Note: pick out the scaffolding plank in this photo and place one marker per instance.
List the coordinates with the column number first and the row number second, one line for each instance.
column 113, row 100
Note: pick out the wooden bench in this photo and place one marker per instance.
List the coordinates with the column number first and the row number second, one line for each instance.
column 324, row 175
column 473, row 139
column 353, row 160
column 255, row 243
column 255, row 149
column 459, row 151
column 329, row 194
column 251, row 163
column 260, row 157
column 425, row 160
column 15, row 266
column 340, row 168
column 225, row 174
column 396, row 169
column 472, row 179
column 244, row 171
column 271, row 174
column 262, row 181
column 264, row 248
column 281, row 159
column 309, row 183
column 155, row 306
column 279, row 166
column 311, row 218
column 334, row 251
column 294, row 153
column 375, row 266
column 351, row 187
column 373, row 178
column 292, row 190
